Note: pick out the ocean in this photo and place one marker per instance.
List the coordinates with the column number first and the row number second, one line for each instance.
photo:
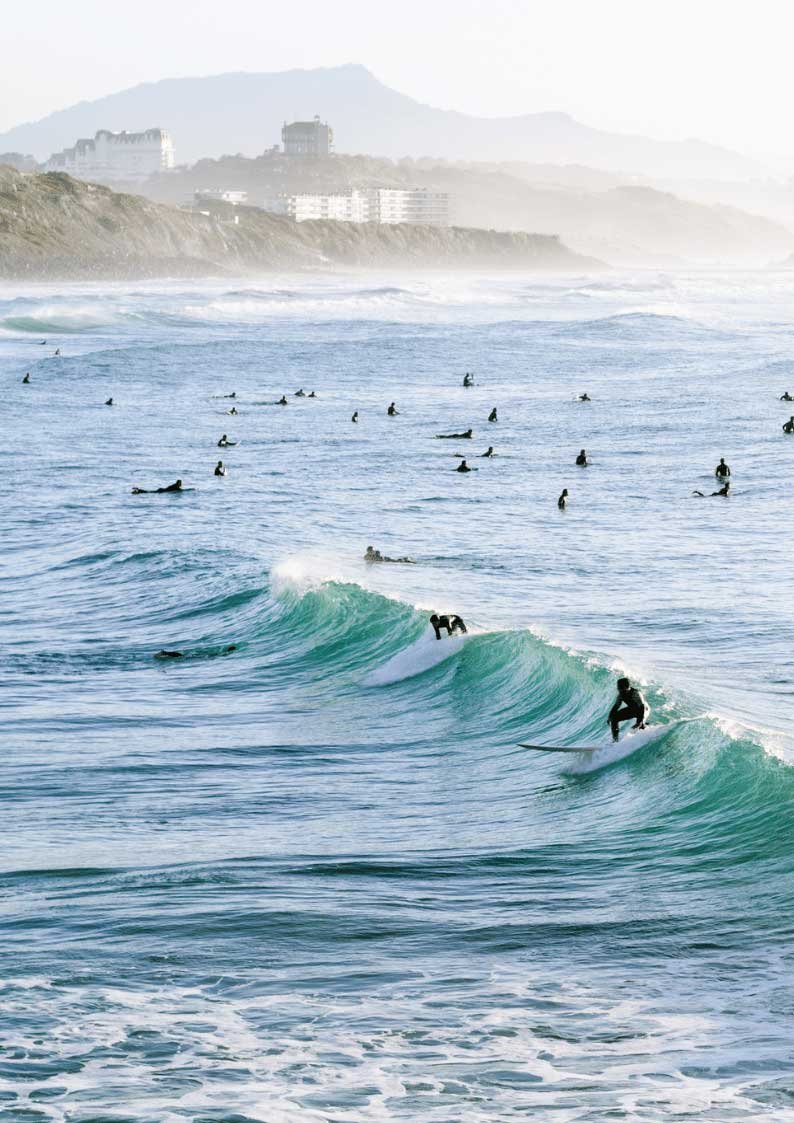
column 315, row 877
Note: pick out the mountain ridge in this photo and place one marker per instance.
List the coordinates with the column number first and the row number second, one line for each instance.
column 213, row 115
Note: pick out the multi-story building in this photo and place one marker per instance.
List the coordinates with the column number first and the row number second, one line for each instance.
column 307, row 138
column 112, row 157
column 415, row 206
column 351, row 206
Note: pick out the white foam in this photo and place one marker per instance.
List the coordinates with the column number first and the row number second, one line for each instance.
column 425, row 653
column 395, row 1052
column 612, row 751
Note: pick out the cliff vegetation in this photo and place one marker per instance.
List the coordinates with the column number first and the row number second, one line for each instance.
column 53, row 226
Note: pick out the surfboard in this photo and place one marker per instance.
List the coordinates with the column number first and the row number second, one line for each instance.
column 631, row 740
column 560, row 748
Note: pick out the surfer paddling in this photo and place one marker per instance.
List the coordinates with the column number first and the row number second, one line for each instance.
column 629, row 705
column 725, row 491
column 373, row 555
column 177, row 486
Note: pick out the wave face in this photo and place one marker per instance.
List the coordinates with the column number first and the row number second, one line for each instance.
column 304, row 871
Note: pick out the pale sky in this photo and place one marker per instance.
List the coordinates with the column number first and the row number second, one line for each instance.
column 713, row 69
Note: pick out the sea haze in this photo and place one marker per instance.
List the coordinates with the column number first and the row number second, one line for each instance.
column 315, row 877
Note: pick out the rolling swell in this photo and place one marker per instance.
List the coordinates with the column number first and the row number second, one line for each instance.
column 255, row 885
column 706, row 791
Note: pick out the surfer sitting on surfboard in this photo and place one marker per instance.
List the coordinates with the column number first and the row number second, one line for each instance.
column 628, row 704
column 451, row 623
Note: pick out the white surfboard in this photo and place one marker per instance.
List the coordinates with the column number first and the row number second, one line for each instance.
column 614, row 750
column 560, row 748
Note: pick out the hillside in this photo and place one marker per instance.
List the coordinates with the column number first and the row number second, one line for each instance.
column 52, row 226
column 595, row 213
column 230, row 113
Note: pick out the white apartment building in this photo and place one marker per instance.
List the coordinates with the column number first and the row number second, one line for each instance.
column 112, row 157
column 414, row 205
column 352, row 206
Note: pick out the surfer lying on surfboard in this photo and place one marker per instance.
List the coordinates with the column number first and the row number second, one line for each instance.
column 160, row 490
column 628, row 704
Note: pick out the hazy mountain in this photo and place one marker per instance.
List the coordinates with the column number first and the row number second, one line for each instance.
column 53, row 226
column 231, row 113
column 593, row 213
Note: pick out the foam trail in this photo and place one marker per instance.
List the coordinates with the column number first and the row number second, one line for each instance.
column 427, row 652
column 613, row 752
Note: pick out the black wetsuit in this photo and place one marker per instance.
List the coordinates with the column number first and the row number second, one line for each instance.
column 630, row 704
column 452, row 624
column 158, row 490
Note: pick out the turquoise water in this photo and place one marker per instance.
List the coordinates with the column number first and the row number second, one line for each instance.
column 315, row 878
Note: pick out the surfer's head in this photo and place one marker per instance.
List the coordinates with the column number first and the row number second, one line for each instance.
column 623, row 684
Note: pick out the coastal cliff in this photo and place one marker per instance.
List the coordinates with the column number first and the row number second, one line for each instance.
column 56, row 227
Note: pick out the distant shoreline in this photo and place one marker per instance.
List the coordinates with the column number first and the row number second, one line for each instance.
column 53, row 227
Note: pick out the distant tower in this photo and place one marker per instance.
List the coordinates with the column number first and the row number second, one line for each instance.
column 307, row 138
